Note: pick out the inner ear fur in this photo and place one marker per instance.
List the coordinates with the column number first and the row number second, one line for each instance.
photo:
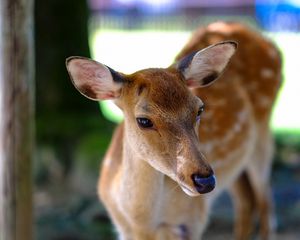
column 205, row 66
column 94, row 80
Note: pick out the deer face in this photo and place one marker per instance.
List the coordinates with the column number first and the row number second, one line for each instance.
column 161, row 115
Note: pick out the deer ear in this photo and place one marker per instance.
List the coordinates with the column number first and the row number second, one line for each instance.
column 204, row 67
column 94, row 80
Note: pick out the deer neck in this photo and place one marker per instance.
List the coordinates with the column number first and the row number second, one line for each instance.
column 138, row 173
column 141, row 185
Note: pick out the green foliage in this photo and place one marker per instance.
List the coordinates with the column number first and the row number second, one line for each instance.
column 287, row 148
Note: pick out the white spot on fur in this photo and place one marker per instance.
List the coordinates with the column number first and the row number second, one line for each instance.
column 237, row 127
column 227, row 169
column 273, row 53
column 264, row 101
column 267, row 73
column 220, row 27
column 208, row 147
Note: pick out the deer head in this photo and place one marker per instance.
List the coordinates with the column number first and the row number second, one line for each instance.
column 161, row 115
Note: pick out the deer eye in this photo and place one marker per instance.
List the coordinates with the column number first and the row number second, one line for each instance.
column 200, row 111
column 144, row 122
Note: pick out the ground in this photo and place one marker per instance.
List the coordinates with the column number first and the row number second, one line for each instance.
column 62, row 213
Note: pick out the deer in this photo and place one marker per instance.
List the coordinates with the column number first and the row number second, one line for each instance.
column 190, row 131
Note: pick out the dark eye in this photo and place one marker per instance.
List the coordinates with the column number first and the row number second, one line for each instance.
column 200, row 111
column 144, row 122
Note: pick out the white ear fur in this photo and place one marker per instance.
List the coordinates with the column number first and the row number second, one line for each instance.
column 94, row 80
column 203, row 67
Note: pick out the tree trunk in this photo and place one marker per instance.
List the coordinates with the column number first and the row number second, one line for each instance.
column 16, row 118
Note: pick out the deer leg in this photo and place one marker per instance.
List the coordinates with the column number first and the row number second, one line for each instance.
column 259, row 175
column 264, row 206
column 244, row 203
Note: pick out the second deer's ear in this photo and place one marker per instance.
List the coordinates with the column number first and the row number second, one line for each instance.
column 205, row 66
column 94, row 80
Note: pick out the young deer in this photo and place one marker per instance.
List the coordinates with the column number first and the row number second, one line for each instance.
column 156, row 148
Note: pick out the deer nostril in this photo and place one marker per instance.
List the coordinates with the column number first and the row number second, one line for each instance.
column 204, row 184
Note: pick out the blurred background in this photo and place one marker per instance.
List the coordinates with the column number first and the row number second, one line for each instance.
column 73, row 133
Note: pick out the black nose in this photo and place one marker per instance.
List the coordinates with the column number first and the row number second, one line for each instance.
column 204, row 184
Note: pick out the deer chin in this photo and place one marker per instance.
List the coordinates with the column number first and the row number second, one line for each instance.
column 188, row 191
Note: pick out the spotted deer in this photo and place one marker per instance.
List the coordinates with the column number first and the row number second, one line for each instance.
column 158, row 178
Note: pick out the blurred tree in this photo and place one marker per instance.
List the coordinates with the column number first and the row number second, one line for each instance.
column 62, row 113
column 61, row 31
column 16, row 119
